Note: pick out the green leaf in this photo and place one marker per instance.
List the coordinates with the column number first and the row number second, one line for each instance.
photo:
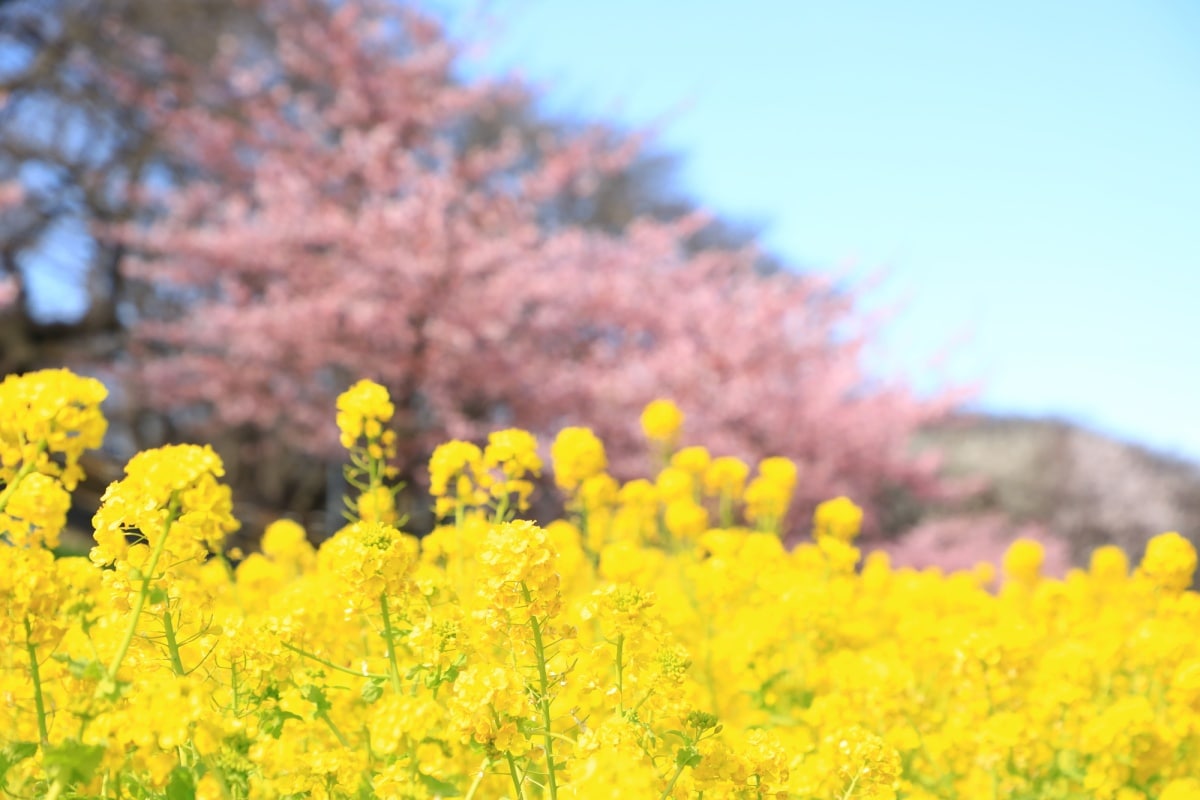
column 439, row 788
column 14, row 753
column 687, row 757
column 109, row 689
column 182, row 785
column 316, row 695
column 81, row 668
column 157, row 595
column 72, row 761
column 372, row 690
column 271, row 720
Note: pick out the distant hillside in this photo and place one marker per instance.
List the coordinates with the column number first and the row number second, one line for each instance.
column 1087, row 488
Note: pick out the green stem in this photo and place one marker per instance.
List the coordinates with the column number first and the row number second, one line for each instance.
column 709, row 679
column 233, row 683
column 501, row 509
column 326, row 662
column 140, row 602
column 39, row 703
column 621, row 674
column 56, row 789
column 389, row 643
column 850, row 789
column 374, row 467
column 671, row 783
column 483, row 768
column 324, row 716
column 26, row 468
column 512, row 770
column 544, row 700
column 172, row 644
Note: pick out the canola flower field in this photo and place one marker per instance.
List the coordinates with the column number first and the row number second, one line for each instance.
column 658, row 642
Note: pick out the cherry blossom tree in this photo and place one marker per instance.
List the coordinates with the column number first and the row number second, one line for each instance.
column 345, row 219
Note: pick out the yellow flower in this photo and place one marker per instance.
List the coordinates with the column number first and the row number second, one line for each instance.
column 686, row 519
column 1170, row 561
column 509, row 739
column 377, row 505
column 726, row 475
column 49, row 412
column 692, row 460
column 519, row 571
column 597, row 493
column 1109, row 564
column 577, row 455
column 459, row 464
column 867, row 766
column 363, row 410
column 513, row 451
column 36, row 512
column 839, row 518
column 661, row 421
column 369, row 559
column 780, row 471
column 1181, row 789
column 841, row 556
column 286, row 542
column 675, row 484
column 176, row 482
column 766, row 502
column 1023, row 561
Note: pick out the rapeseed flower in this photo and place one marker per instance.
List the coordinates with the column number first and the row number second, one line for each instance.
column 659, row 641
column 1170, row 562
column 577, row 455
column 661, row 421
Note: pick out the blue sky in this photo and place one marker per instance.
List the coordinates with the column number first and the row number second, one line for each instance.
column 1027, row 173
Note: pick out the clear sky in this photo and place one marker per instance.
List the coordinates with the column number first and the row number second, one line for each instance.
column 1027, row 173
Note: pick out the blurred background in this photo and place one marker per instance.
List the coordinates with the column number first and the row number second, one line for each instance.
column 984, row 217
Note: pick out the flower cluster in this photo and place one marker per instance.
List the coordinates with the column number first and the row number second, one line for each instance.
column 364, row 411
column 48, row 414
column 170, row 501
column 660, row 642
column 48, row 419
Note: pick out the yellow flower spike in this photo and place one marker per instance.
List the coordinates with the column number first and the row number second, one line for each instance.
column 285, row 539
column 839, row 518
column 767, row 503
column 180, row 477
column 1023, row 561
column 686, row 519
column 1108, row 564
column 578, row 455
column 517, row 557
column 692, row 460
column 362, row 410
column 455, row 464
column 377, row 505
column 36, row 512
column 513, row 452
column 597, row 493
column 1170, row 562
column 674, row 484
column 661, row 421
column 779, row 471
column 867, row 766
column 841, row 557
column 726, row 475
